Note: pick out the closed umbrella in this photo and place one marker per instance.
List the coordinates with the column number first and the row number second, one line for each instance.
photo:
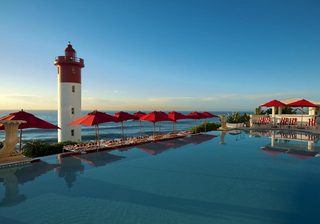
column 31, row 122
column 155, row 116
column 174, row 116
column 94, row 119
column 123, row 116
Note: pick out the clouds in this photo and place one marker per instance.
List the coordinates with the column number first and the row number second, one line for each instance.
column 21, row 101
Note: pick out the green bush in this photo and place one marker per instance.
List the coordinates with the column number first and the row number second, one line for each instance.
column 206, row 126
column 40, row 148
column 236, row 117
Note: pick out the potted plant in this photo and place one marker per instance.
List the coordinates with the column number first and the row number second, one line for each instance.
column 237, row 120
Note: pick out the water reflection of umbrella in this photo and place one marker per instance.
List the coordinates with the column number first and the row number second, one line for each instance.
column 123, row 116
column 174, row 116
column 273, row 151
column 155, row 116
column 94, row 119
column 98, row 158
column 14, row 176
column 301, row 154
column 174, row 143
column 154, row 148
column 302, row 103
column 31, row 122
column 199, row 138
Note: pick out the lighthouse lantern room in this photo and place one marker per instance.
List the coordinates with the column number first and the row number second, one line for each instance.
column 69, row 94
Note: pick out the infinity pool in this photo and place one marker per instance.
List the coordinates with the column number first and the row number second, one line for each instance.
column 260, row 177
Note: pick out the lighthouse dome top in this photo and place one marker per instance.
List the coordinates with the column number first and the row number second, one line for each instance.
column 69, row 51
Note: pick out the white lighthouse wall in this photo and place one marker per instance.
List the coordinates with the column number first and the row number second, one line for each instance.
column 67, row 99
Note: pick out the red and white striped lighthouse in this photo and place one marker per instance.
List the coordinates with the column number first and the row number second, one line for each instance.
column 69, row 94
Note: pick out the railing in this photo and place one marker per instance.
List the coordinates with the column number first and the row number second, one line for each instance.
column 285, row 120
column 65, row 58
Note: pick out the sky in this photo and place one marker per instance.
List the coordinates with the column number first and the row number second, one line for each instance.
column 211, row 55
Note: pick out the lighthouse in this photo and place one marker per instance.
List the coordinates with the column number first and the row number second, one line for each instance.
column 69, row 94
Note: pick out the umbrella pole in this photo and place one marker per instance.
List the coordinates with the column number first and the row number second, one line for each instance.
column 98, row 136
column 173, row 126
column 205, row 125
column 140, row 128
column 154, row 128
column 122, row 129
column 20, row 140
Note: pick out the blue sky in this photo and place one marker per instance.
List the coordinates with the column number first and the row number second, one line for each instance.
column 169, row 55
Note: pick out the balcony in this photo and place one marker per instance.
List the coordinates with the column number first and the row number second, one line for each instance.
column 68, row 60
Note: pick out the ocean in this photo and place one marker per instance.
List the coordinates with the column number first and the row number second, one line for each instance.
column 107, row 130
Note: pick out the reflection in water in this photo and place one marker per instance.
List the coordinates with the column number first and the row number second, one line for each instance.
column 12, row 177
column 155, row 148
column 68, row 169
column 70, row 166
column 296, row 144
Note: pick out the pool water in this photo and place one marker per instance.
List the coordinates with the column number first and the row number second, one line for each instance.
column 210, row 178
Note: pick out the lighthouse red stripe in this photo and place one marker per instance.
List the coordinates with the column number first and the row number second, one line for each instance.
column 75, row 78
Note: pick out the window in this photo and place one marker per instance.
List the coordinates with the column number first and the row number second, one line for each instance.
column 72, row 132
column 58, row 69
column 72, row 110
column 73, row 89
column 73, row 70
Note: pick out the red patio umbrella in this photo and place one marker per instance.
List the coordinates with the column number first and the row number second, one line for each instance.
column 138, row 115
column 155, row 116
column 273, row 103
column 31, row 122
column 302, row 103
column 123, row 116
column 208, row 115
column 174, row 116
column 195, row 116
column 94, row 119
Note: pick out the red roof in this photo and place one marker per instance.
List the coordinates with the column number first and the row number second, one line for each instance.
column 273, row 103
column 302, row 103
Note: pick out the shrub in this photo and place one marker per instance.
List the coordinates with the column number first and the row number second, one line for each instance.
column 40, row 148
column 1, row 145
column 206, row 126
column 236, row 117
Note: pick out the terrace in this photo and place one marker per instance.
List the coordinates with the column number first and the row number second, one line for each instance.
column 305, row 117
